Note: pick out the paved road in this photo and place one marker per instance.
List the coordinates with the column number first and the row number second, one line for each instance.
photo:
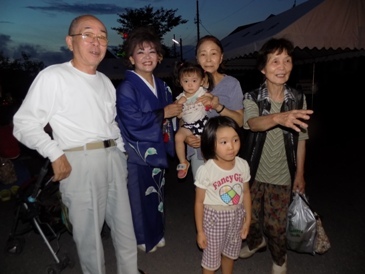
column 334, row 189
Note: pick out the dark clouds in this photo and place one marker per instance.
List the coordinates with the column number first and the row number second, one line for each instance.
column 14, row 51
column 82, row 8
column 5, row 41
column 36, row 52
column 79, row 8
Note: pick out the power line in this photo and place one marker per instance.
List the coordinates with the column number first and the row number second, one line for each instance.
column 205, row 28
column 197, row 21
column 236, row 11
column 229, row 15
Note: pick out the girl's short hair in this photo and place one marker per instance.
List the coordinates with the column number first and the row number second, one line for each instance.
column 209, row 136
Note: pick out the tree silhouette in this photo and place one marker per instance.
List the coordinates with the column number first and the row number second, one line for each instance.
column 17, row 75
column 161, row 20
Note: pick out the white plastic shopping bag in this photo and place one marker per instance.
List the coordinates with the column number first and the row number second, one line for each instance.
column 301, row 226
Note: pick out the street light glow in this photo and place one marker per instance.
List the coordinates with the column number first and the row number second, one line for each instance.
column 175, row 41
column 179, row 43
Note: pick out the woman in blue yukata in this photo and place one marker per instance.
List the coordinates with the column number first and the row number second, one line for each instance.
column 145, row 111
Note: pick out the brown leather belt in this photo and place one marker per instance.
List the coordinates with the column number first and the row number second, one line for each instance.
column 96, row 145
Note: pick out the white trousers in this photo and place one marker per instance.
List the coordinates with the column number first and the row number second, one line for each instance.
column 96, row 190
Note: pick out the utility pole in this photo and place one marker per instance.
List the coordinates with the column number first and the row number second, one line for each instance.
column 181, row 50
column 197, row 20
column 174, row 46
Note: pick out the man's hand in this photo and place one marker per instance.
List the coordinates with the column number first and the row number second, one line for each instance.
column 61, row 168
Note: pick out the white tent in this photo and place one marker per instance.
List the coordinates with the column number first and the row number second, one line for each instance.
column 320, row 29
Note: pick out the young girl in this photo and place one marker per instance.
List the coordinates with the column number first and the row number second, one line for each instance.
column 223, row 200
column 191, row 77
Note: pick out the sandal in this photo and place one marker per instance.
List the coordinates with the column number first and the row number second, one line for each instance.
column 182, row 170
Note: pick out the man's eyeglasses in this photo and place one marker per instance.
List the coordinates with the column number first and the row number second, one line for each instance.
column 90, row 38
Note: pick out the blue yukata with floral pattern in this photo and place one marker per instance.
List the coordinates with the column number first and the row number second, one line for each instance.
column 149, row 141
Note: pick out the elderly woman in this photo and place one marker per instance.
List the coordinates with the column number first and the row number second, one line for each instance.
column 274, row 115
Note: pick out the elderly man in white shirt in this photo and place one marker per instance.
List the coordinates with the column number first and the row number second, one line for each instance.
column 87, row 151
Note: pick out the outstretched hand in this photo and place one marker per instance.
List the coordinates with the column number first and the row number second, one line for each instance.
column 294, row 118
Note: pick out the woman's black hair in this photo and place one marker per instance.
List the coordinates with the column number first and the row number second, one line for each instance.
column 140, row 35
column 182, row 68
column 271, row 46
column 209, row 136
